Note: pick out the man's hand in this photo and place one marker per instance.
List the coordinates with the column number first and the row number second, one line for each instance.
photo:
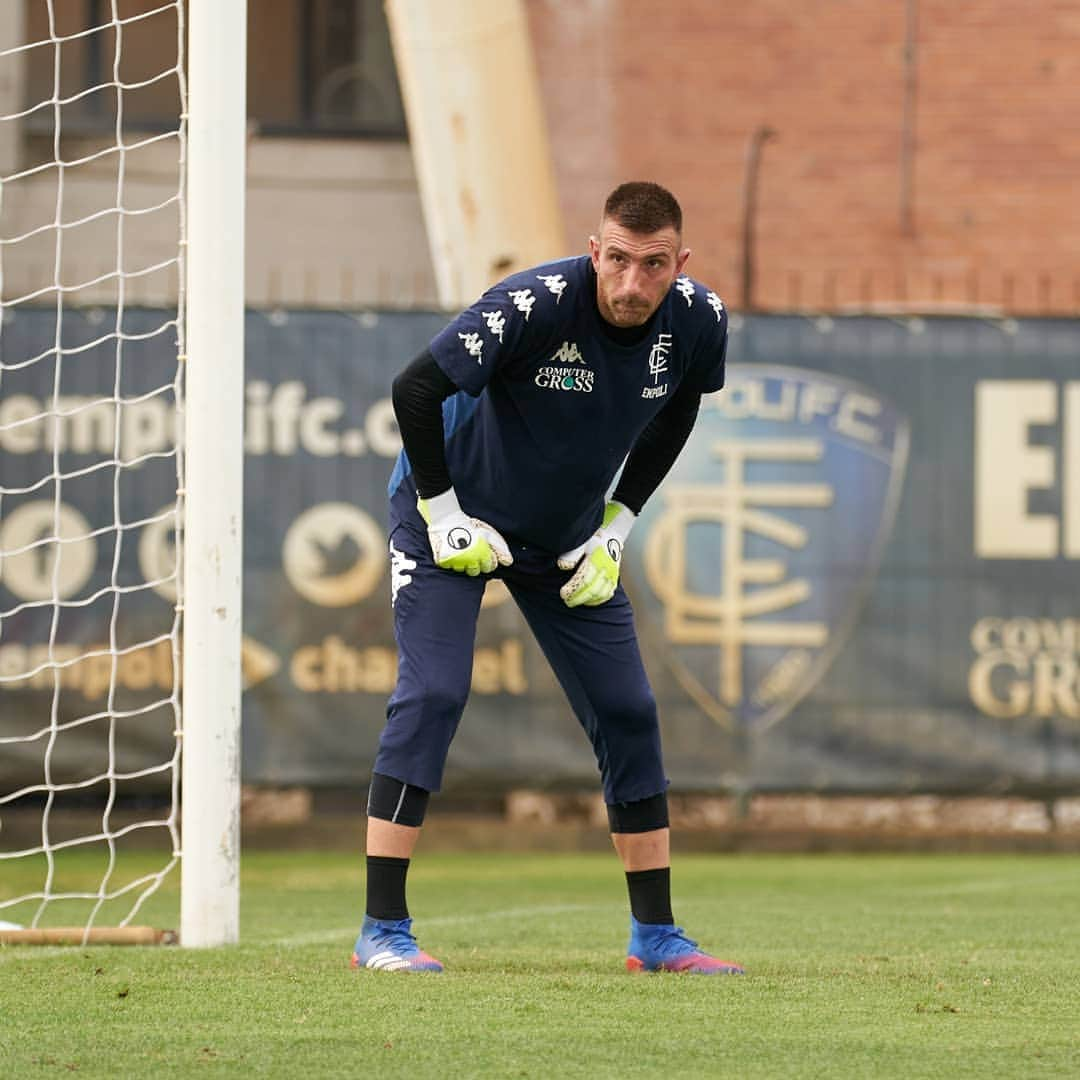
column 459, row 542
column 597, row 560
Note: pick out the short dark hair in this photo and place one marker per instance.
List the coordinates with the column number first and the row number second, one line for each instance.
column 643, row 207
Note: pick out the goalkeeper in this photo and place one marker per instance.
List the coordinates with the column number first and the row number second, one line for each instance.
column 515, row 422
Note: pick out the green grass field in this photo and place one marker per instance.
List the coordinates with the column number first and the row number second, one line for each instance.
column 860, row 966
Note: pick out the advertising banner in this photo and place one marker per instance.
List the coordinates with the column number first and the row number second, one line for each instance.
column 860, row 576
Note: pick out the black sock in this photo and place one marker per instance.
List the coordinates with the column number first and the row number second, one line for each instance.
column 386, row 887
column 650, row 895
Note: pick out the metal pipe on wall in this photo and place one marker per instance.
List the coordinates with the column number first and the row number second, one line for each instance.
column 760, row 136
column 908, row 122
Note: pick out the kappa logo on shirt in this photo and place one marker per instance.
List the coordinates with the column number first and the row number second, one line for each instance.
column 567, row 353
column 474, row 346
column 496, row 323
column 523, row 300
column 716, row 304
column 400, row 564
column 685, row 287
column 555, row 284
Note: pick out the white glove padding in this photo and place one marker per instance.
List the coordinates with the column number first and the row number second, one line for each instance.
column 459, row 542
column 597, row 560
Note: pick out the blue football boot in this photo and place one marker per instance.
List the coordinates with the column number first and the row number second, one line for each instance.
column 667, row 948
column 388, row 945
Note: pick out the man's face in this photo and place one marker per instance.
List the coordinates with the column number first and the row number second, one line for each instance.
column 634, row 271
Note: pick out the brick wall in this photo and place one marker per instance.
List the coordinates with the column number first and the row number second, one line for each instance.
column 674, row 91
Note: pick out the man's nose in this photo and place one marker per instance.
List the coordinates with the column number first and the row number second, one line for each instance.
column 633, row 279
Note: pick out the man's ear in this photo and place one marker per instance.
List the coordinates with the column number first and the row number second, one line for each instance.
column 680, row 261
column 594, row 250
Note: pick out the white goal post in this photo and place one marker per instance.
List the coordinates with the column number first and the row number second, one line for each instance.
column 121, row 244
column 213, row 495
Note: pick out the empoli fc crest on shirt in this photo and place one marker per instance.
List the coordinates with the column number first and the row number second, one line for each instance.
column 751, row 560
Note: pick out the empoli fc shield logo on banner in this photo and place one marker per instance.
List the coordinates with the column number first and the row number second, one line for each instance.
column 752, row 559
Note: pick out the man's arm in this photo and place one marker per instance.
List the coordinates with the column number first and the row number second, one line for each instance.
column 418, row 393
column 658, row 446
column 458, row 542
column 596, row 562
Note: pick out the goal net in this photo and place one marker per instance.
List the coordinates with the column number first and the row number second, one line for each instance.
column 93, row 241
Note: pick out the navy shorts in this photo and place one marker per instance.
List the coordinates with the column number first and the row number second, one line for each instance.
column 592, row 650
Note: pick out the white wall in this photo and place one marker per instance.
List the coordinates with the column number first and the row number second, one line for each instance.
column 330, row 223
column 335, row 223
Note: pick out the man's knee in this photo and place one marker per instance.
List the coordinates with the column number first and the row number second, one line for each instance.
column 644, row 815
column 629, row 753
column 397, row 802
column 441, row 691
column 445, row 697
column 634, row 711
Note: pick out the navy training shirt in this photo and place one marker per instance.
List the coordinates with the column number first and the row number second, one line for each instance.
column 549, row 405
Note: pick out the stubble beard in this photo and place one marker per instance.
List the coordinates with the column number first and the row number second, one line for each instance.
column 626, row 315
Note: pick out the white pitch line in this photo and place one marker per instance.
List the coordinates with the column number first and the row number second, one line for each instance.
column 986, row 885
column 321, row 937
column 24, row 952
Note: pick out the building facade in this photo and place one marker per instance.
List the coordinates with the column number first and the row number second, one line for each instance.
column 842, row 155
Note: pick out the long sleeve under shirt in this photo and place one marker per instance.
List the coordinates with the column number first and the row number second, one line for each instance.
column 419, row 391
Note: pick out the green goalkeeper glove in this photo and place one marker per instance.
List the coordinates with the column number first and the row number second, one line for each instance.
column 597, row 560
column 459, row 542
